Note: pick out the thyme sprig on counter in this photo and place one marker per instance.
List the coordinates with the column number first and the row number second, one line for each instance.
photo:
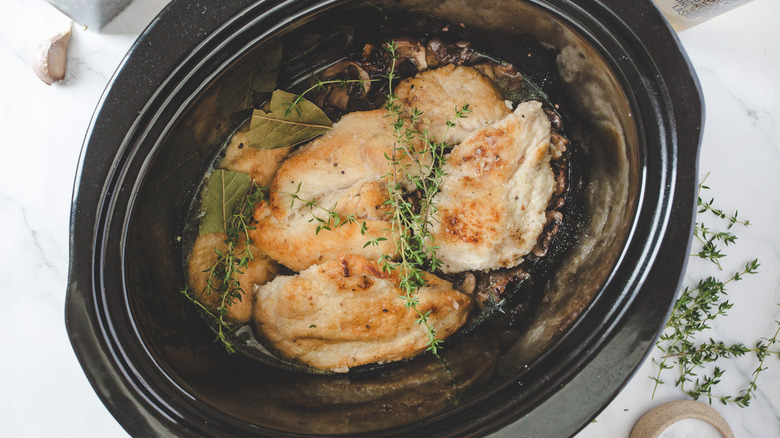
column 223, row 274
column 696, row 309
column 709, row 239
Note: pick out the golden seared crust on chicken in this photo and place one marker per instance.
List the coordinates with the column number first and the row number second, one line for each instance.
column 353, row 153
column 257, row 272
column 346, row 171
column 492, row 203
column 260, row 164
column 440, row 93
column 348, row 312
column 296, row 244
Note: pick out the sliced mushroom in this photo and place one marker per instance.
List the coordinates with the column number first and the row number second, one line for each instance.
column 350, row 70
column 410, row 58
column 464, row 282
column 338, row 95
column 554, row 221
column 561, row 171
column 412, row 51
column 375, row 60
column 439, row 53
column 491, row 285
column 558, row 147
column 555, row 119
column 505, row 76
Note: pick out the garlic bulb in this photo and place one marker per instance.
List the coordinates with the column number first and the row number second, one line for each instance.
column 50, row 58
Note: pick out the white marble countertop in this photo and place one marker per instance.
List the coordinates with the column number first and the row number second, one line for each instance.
column 43, row 391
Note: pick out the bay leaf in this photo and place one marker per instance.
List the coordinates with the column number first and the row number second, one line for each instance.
column 289, row 121
column 225, row 190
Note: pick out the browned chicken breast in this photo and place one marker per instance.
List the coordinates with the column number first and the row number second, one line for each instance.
column 346, row 171
column 348, row 312
column 492, row 203
column 440, row 93
column 203, row 258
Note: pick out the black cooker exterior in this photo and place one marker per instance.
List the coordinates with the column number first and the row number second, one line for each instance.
column 572, row 387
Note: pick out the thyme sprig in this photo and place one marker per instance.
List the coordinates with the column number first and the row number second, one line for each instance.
column 422, row 168
column 223, row 274
column 709, row 239
column 697, row 308
column 320, row 85
column 334, row 218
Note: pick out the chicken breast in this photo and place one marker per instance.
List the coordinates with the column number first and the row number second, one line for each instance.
column 260, row 164
column 440, row 93
column 345, row 171
column 257, row 272
column 348, row 312
column 492, row 203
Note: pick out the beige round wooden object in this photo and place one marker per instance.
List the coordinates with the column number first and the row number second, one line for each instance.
column 656, row 420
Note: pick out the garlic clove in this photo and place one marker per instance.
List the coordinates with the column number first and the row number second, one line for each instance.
column 50, row 58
